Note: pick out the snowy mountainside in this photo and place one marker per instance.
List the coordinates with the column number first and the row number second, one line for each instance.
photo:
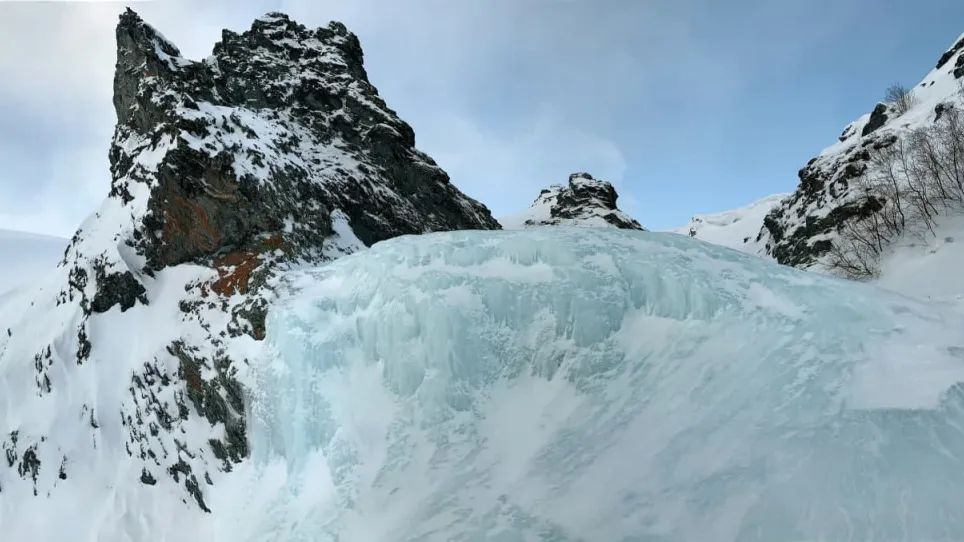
column 801, row 230
column 26, row 256
column 583, row 201
column 121, row 372
column 736, row 228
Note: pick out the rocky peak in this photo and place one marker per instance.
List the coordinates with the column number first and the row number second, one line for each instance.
column 584, row 201
column 276, row 106
column 276, row 149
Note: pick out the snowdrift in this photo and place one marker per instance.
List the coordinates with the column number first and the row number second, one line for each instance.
column 583, row 384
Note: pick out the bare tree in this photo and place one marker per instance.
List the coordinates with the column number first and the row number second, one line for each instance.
column 856, row 253
column 907, row 187
column 900, row 96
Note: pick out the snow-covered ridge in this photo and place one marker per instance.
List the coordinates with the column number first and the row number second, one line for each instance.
column 736, row 228
column 800, row 231
column 584, row 201
column 121, row 373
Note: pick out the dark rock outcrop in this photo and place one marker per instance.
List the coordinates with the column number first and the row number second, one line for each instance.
column 958, row 69
column 878, row 118
column 584, row 201
column 276, row 149
column 949, row 54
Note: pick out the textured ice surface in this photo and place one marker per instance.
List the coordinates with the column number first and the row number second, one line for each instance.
column 600, row 385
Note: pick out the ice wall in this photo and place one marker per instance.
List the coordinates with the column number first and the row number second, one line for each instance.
column 579, row 384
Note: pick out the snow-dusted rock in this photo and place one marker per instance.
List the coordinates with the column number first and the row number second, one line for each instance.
column 25, row 255
column 584, row 201
column 801, row 230
column 123, row 371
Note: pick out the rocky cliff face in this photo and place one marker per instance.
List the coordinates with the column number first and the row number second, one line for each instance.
column 800, row 231
column 584, row 201
column 274, row 150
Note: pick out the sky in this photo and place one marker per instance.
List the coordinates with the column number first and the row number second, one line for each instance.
column 686, row 106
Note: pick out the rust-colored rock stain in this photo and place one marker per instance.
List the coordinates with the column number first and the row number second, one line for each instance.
column 235, row 268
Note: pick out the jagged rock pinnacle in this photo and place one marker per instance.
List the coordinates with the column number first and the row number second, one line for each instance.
column 583, row 201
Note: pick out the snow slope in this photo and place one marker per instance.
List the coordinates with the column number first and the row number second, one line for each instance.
column 26, row 256
column 928, row 268
column 598, row 384
column 924, row 268
column 738, row 228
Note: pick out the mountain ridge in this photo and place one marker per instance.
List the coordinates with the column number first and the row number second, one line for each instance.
column 274, row 151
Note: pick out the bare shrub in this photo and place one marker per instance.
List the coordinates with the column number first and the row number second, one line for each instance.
column 910, row 184
column 900, row 96
column 856, row 254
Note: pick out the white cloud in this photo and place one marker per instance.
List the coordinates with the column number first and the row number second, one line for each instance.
column 508, row 95
column 507, row 170
column 57, row 61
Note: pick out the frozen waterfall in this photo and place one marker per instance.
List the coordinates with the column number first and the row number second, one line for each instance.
column 601, row 385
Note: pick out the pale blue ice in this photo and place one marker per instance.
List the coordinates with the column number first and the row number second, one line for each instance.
column 601, row 385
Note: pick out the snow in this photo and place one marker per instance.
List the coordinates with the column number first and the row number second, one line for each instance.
column 260, row 136
column 78, row 396
column 930, row 267
column 737, row 228
column 539, row 212
column 343, row 239
column 539, row 216
column 596, row 384
column 26, row 256
column 73, row 412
